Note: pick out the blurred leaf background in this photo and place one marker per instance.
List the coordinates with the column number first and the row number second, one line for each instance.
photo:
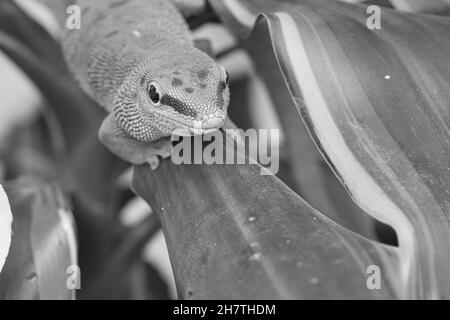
column 53, row 168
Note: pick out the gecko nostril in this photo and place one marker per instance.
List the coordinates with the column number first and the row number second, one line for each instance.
column 213, row 123
column 217, row 114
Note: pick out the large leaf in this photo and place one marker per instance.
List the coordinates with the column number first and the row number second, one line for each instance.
column 376, row 104
column 43, row 246
column 235, row 234
column 315, row 181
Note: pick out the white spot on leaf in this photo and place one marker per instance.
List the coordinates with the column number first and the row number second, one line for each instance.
column 256, row 256
column 254, row 244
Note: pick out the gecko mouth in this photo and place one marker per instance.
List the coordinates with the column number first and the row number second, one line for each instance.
column 199, row 127
column 207, row 126
column 196, row 127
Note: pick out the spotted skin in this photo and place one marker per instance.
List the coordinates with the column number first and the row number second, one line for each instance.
column 124, row 46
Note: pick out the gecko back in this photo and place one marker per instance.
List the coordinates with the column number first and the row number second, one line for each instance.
column 115, row 36
column 137, row 59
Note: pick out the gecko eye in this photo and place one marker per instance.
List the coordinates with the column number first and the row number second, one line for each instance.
column 155, row 92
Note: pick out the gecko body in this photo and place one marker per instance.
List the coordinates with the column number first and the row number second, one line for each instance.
column 137, row 59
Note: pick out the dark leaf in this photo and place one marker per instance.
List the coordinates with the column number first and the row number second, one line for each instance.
column 235, row 234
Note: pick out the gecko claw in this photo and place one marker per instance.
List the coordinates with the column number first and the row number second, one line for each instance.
column 164, row 150
column 153, row 161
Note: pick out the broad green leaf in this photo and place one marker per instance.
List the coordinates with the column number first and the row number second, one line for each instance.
column 235, row 234
column 376, row 104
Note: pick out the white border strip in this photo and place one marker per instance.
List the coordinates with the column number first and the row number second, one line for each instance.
column 5, row 227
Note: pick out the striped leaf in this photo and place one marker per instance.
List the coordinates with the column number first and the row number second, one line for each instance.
column 376, row 104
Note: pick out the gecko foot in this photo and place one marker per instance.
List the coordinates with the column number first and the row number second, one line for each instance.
column 164, row 150
column 131, row 150
column 153, row 161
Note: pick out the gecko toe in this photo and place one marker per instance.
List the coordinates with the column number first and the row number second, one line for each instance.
column 153, row 161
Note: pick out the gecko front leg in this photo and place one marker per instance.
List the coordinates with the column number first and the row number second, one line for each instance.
column 119, row 142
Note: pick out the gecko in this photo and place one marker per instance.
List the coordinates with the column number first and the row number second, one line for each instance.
column 137, row 59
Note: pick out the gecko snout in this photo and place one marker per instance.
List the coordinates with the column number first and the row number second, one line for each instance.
column 208, row 123
column 214, row 123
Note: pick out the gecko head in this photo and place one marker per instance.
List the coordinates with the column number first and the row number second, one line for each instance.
column 183, row 95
